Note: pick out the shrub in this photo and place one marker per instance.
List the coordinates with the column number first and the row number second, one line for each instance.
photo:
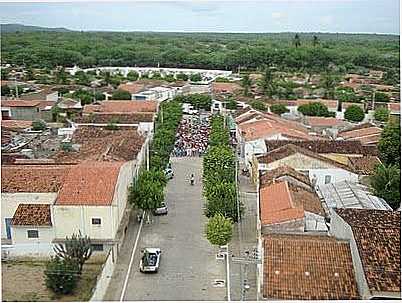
column 195, row 78
column 354, row 113
column 381, row 114
column 121, row 95
column 61, row 275
column 38, row 125
column 278, row 109
column 316, row 109
column 381, row 97
column 219, row 230
column 132, row 75
column 258, row 105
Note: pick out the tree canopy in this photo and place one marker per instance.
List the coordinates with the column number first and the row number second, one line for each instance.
column 354, row 113
column 389, row 145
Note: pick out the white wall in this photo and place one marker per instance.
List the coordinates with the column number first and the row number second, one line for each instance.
column 253, row 147
column 10, row 202
column 337, row 175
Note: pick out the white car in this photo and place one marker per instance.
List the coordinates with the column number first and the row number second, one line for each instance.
column 150, row 260
column 162, row 210
column 169, row 173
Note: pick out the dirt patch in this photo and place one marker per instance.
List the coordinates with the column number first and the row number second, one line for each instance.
column 23, row 280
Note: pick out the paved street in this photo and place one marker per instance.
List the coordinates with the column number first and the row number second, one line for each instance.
column 188, row 264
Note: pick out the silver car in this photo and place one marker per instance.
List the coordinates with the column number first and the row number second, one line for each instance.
column 150, row 260
column 169, row 173
column 162, row 210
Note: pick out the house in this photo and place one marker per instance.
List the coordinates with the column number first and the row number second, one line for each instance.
column 347, row 194
column 27, row 110
column 325, row 126
column 292, row 105
column 306, row 267
column 345, row 106
column 394, row 109
column 43, row 204
column 321, row 170
column 287, row 207
column 284, row 173
column 15, row 125
column 132, row 87
column 140, row 114
column 366, row 133
column 225, row 88
column 375, row 241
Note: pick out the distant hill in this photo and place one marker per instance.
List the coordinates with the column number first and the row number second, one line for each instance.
column 12, row 28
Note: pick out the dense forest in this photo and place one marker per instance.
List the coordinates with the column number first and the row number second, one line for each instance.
column 286, row 51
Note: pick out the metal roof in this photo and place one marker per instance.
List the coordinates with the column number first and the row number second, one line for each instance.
column 347, row 194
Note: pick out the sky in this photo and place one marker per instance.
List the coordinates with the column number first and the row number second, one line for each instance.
column 342, row 16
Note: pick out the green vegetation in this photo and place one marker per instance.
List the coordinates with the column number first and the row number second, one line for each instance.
column 198, row 101
column 38, row 125
column 231, row 103
column 201, row 50
column 316, row 109
column 195, row 78
column 5, row 90
column 132, row 75
column 219, row 173
column 61, row 275
column 76, row 249
column 278, row 109
column 389, row 145
column 386, row 183
column 121, row 95
column 381, row 114
column 246, row 84
column 354, row 113
column 218, row 230
column 381, row 97
column 346, row 94
column 258, row 105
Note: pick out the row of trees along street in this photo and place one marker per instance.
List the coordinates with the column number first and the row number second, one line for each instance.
column 147, row 191
column 219, row 184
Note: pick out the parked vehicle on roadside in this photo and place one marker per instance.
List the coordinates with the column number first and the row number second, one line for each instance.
column 162, row 210
column 169, row 173
column 150, row 260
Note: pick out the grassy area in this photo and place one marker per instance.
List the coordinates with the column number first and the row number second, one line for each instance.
column 23, row 280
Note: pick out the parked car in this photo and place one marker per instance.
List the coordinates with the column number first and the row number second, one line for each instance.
column 150, row 259
column 169, row 173
column 162, row 210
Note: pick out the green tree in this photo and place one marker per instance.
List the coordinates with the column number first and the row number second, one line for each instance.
column 328, row 82
column 258, row 105
column 381, row 97
column 246, row 83
column 195, row 78
column 381, row 114
column 182, row 77
column 61, row 76
column 121, row 95
column 132, row 75
column 316, row 41
column 99, row 96
column 38, row 125
column 218, row 230
column 296, row 41
column 231, row 104
column 354, row 113
column 219, row 165
column 386, row 183
column 278, row 109
column 5, row 90
column 315, row 109
column 61, row 275
column 77, row 249
column 29, row 74
column 389, row 145
column 266, row 83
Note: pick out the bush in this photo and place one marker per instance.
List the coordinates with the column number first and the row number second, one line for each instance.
column 316, row 109
column 61, row 275
column 38, row 125
column 354, row 113
column 5, row 90
column 381, row 114
column 182, row 77
column 389, row 145
column 198, row 101
column 195, row 78
column 132, row 75
column 258, row 105
column 99, row 96
column 231, row 104
column 386, row 183
column 219, row 230
column 121, row 95
column 111, row 126
column 278, row 109
column 381, row 97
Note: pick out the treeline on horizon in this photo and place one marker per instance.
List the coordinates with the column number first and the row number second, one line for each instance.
column 312, row 52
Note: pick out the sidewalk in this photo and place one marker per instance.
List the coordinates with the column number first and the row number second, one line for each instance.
column 244, row 238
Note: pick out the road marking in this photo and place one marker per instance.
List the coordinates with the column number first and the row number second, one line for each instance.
column 227, row 273
column 132, row 258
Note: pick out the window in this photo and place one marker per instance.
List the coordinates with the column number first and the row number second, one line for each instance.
column 96, row 221
column 327, row 179
column 97, row 247
column 33, row 233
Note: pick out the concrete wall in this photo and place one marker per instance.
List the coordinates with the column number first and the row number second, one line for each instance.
column 25, row 113
column 341, row 230
column 31, row 247
column 296, row 226
column 103, row 278
column 10, row 202
column 252, row 148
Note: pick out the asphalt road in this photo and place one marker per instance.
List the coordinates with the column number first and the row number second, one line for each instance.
column 188, row 265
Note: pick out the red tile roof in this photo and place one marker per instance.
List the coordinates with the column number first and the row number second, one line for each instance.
column 15, row 124
column 364, row 165
column 323, row 121
column 117, row 106
column 90, row 183
column 222, row 87
column 32, row 178
column 301, row 267
column 369, row 134
column 268, row 177
column 395, row 108
column 132, row 88
column 19, row 103
column 378, row 237
column 331, row 104
column 32, row 215
column 345, row 105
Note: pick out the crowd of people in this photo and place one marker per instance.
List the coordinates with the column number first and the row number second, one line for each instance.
column 192, row 137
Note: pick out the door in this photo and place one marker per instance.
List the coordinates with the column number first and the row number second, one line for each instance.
column 8, row 227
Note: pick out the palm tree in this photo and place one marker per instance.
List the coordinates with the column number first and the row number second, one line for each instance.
column 266, row 83
column 296, row 41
